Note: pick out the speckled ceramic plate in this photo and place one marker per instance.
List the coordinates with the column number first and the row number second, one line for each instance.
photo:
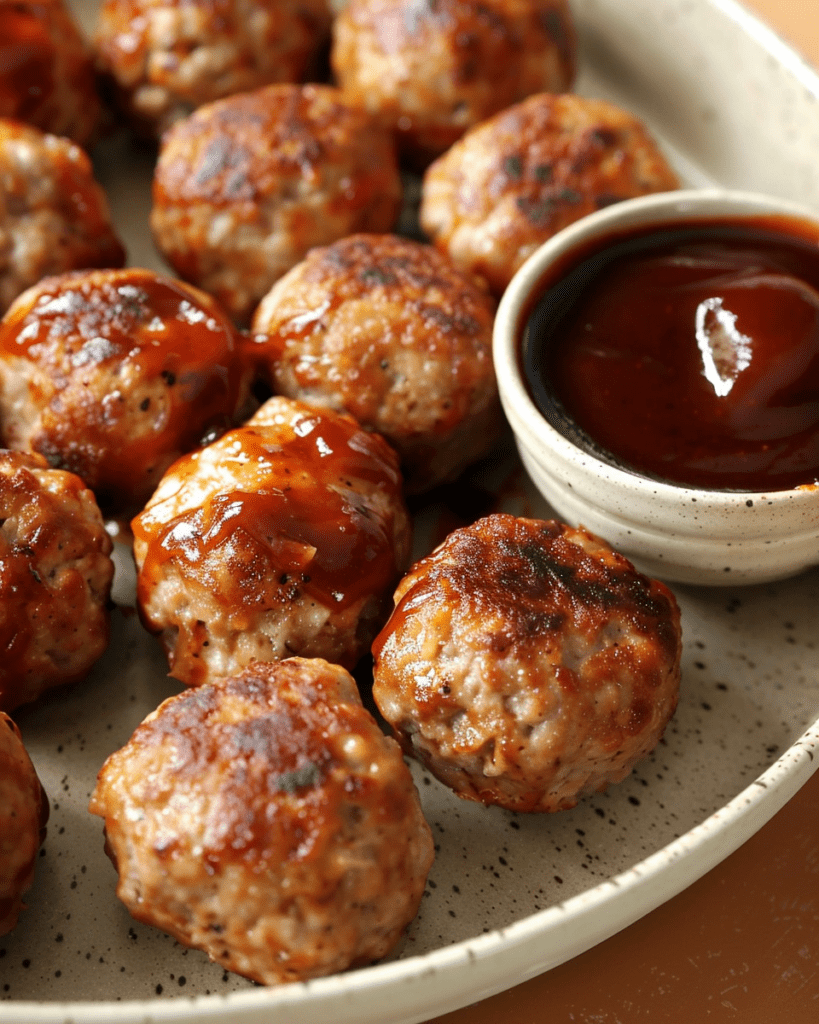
column 509, row 895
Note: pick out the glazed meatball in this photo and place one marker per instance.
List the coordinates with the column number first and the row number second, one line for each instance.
column 112, row 374
column 46, row 70
column 387, row 330
column 164, row 58
column 55, row 578
column 265, row 819
column 246, row 186
column 54, row 215
column 433, row 69
column 23, row 817
column 283, row 537
column 527, row 664
column 513, row 181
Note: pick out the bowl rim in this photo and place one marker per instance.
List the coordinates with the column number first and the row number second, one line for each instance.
column 686, row 204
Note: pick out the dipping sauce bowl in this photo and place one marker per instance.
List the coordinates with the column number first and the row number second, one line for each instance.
column 658, row 362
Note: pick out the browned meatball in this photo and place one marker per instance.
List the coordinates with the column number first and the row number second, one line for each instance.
column 527, row 664
column 113, row 374
column 55, row 578
column 265, row 819
column 165, row 58
column 246, row 186
column 521, row 176
column 433, row 69
column 54, row 215
column 283, row 537
column 46, row 70
column 386, row 329
column 23, row 817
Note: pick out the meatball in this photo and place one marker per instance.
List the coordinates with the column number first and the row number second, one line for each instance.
column 283, row 537
column 23, row 817
column 113, row 374
column 164, row 58
column 54, row 216
column 55, row 578
column 47, row 74
column 527, row 664
column 387, row 330
column 244, row 187
column 432, row 70
column 265, row 819
column 513, row 181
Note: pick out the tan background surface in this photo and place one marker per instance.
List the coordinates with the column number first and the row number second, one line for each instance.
column 740, row 945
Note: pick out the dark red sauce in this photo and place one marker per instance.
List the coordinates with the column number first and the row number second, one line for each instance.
column 690, row 353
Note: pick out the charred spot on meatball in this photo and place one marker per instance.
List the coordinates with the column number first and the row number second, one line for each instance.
column 265, row 819
column 527, row 664
column 244, row 187
column 522, row 175
column 387, row 330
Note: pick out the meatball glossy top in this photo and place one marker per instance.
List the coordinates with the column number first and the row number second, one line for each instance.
column 291, row 492
column 114, row 374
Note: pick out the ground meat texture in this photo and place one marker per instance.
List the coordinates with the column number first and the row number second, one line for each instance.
column 386, row 329
column 512, row 182
column 54, row 216
column 113, row 374
column 23, row 817
column 164, row 58
column 433, row 68
column 46, row 70
column 265, row 819
column 284, row 537
column 55, row 578
column 246, row 186
column 527, row 664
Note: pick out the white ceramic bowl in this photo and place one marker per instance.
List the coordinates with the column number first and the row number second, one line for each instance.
column 678, row 533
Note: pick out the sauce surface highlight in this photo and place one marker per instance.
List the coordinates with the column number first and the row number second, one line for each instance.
column 690, row 353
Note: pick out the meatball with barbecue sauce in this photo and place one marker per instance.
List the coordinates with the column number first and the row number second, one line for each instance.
column 244, row 187
column 54, row 216
column 47, row 74
column 512, row 182
column 55, row 578
column 527, row 664
column 113, row 374
column 265, row 819
column 284, row 537
column 23, row 816
column 387, row 330
column 164, row 58
column 433, row 69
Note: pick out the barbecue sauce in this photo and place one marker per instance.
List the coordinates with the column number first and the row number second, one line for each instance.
column 689, row 353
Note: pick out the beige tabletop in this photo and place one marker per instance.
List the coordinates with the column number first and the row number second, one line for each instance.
column 741, row 944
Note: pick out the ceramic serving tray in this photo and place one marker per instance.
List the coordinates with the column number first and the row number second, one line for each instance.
column 509, row 896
